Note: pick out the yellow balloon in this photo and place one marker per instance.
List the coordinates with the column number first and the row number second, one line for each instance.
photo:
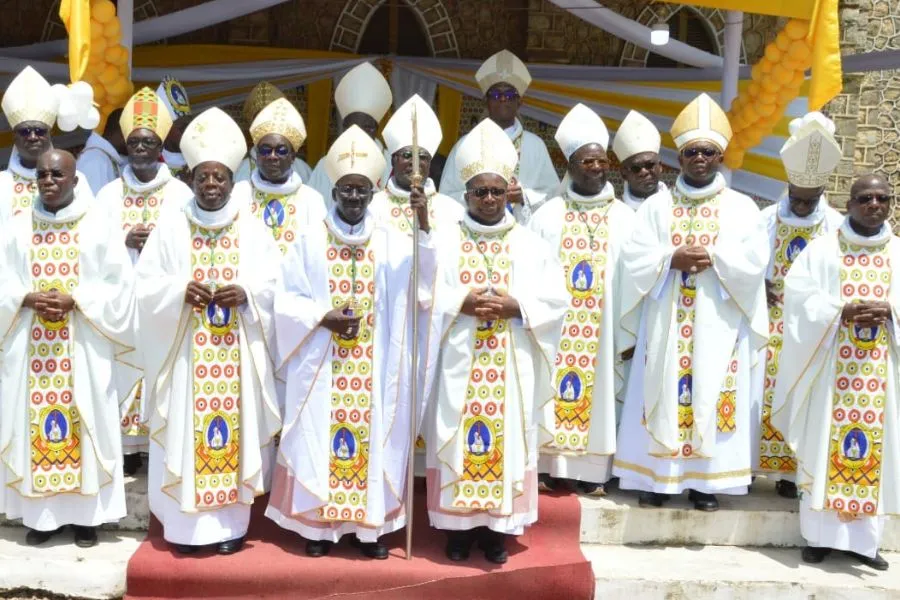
column 99, row 93
column 753, row 137
column 103, row 11
column 797, row 81
column 112, row 29
column 796, row 29
column 773, row 53
column 108, row 75
column 754, row 89
column 782, row 75
column 98, row 47
column 769, row 84
column 766, row 98
column 782, row 41
column 756, row 73
column 785, row 96
column 799, row 50
column 734, row 160
column 96, row 29
column 765, row 110
column 766, row 66
column 750, row 114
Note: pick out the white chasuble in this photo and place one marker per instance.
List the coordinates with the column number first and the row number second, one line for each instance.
column 687, row 419
column 343, row 455
column 213, row 411
column 578, row 428
column 788, row 236
column 286, row 209
column 481, row 436
column 18, row 188
column 61, row 455
column 391, row 207
column 836, row 394
column 138, row 203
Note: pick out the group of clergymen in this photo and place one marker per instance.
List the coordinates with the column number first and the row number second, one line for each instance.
column 253, row 327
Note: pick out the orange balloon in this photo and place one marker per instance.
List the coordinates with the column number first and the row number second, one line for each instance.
column 773, row 53
column 765, row 110
column 782, row 75
column 766, row 66
column 756, row 73
column 796, row 29
column 734, row 159
column 108, row 75
column 103, row 11
column 752, row 137
column 770, row 84
column 785, row 96
column 754, row 89
column 99, row 93
column 96, row 29
column 98, row 46
column 750, row 114
column 766, row 98
column 797, row 82
column 782, row 41
column 799, row 50
column 113, row 29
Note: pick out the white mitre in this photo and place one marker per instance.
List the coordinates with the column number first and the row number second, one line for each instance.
column 637, row 134
column 398, row 133
column 363, row 89
column 811, row 154
column 213, row 136
column 702, row 119
column 580, row 127
column 503, row 67
column 486, row 149
column 282, row 118
column 355, row 153
column 30, row 98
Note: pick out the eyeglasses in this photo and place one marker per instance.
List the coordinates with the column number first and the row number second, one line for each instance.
column 281, row 150
column 484, row 191
column 600, row 162
column 146, row 142
column 650, row 165
column 407, row 155
column 880, row 198
column 504, row 95
column 350, row 190
column 26, row 132
column 695, row 152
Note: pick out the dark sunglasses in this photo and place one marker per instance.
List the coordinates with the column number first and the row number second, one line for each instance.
column 281, row 150
column 695, row 152
column 407, row 155
column 650, row 165
column 505, row 95
column 26, row 132
column 349, row 190
column 587, row 162
column 880, row 198
column 148, row 143
column 484, row 191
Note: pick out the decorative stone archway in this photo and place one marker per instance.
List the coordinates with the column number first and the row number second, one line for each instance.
column 431, row 13
column 635, row 56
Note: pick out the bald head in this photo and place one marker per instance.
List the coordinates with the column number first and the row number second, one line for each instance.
column 872, row 180
column 870, row 204
column 56, row 179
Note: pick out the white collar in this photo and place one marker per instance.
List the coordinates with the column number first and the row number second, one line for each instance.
column 162, row 177
column 514, row 130
column 217, row 219
column 789, row 218
column 174, row 159
column 507, row 223
column 352, row 235
column 634, row 202
column 605, row 195
column 282, row 189
column 879, row 239
column 72, row 212
column 15, row 165
column 708, row 191
column 394, row 190
column 95, row 140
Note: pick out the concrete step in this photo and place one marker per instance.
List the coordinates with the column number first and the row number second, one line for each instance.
column 761, row 518
column 731, row 573
column 61, row 569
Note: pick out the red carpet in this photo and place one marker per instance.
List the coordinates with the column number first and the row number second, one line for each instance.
column 545, row 563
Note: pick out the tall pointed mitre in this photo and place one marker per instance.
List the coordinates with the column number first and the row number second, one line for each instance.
column 503, row 67
column 637, row 134
column 282, row 118
column 363, row 89
column 174, row 97
column 812, row 153
column 486, row 149
column 30, row 98
column 213, row 136
column 355, row 153
column 398, row 133
column 702, row 119
column 580, row 127
column 260, row 97
column 146, row 110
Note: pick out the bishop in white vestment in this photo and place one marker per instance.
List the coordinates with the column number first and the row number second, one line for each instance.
column 205, row 290
column 502, row 300
column 693, row 297
column 362, row 98
column 66, row 312
column 135, row 200
column 800, row 215
column 836, row 398
column 103, row 157
column 587, row 226
column 503, row 78
column 636, row 145
column 344, row 327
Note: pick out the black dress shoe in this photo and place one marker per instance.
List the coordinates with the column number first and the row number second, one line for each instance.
column 131, row 463
column 704, row 502
column 36, row 538
column 375, row 550
column 458, row 544
column 786, row 489
column 185, row 548
column 494, row 546
column 652, row 499
column 592, row 489
column 814, row 555
column 878, row 563
column 317, row 548
column 85, row 537
column 230, row 546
